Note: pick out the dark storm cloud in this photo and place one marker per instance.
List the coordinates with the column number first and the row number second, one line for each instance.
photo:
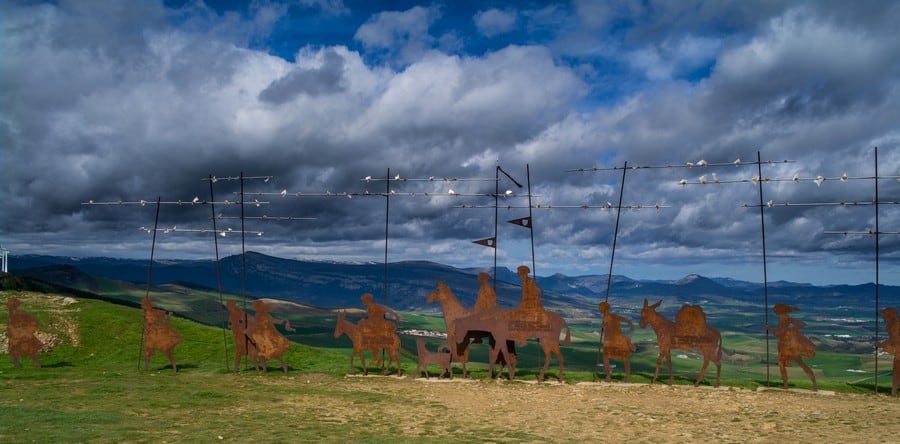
column 313, row 81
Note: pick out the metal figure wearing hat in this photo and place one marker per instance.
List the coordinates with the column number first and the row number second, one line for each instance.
column 792, row 344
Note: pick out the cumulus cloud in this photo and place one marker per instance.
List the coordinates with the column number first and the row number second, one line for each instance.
column 402, row 35
column 494, row 21
column 188, row 92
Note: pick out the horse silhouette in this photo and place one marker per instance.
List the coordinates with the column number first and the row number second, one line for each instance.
column 363, row 340
column 453, row 310
column 689, row 332
column 506, row 326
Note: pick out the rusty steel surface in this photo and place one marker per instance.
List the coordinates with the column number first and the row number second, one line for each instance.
column 689, row 332
column 453, row 310
column 792, row 344
column 509, row 326
column 374, row 333
column 158, row 334
column 256, row 337
column 426, row 358
column 21, row 328
column 615, row 343
column 892, row 343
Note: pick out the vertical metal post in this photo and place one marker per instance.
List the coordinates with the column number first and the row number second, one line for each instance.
column 762, row 221
column 530, row 221
column 149, row 275
column 876, row 270
column 212, row 204
column 496, row 216
column 387, row 217
column 244, row 266
column 612, row 258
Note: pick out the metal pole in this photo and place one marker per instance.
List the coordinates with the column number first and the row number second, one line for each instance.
column 387, row 216
column 762, row 221
column 496, row 216
column 212, row 203
column 149, row 275
column 531, row 222
column 244, row 266
column 876, row 270
column 612, row 257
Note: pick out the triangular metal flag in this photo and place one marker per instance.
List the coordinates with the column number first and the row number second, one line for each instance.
column 489, row 242
column 524, row 221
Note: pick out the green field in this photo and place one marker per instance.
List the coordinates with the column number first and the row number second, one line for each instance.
column 92, row 386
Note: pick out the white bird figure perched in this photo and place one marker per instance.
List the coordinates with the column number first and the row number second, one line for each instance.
column 397, row 177
column 507, row 193
column 143, row 202
column 682, row 182
column 844, row 177
column 737, row 162
column 819, row 180
column 754, row 179
column 690, row 164
column 283, row 192
column 796, row 178
column 393, row 192
column 702, row 163
column 267, row 179
column 196, row 199
column 703, row 179
column 715, row 178
column 608, row 204
column 368, row 178
column 451, row 192
column 770, row 203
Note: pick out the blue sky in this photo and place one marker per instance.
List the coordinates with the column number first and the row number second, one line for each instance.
column 110, row 101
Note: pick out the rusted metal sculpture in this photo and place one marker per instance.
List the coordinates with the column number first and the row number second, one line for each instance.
column 892, row 343
column 453, row 310
column 21, row 328
column 158, row 334
column 268, row 341
column 517, row 325
column 792, row 344
column 426, row 358
column 615, row 343
column 375, row 342
column 238, row 322
column 689, row 332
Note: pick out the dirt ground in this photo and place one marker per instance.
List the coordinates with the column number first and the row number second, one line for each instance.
column 607, row 412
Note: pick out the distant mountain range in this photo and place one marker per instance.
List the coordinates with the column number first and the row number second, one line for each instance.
column 331, row 284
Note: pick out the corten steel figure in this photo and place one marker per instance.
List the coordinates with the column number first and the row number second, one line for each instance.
column 892, row 343
column 689, row 332
column 792, row 345
column 21, row 328
column 243, row 345
column 375, row 344
column 425, row 358
column 615, row 343
column 487, row 298
column 528, row 321
column 453, row 310
column 269, row 342
column 158, row 334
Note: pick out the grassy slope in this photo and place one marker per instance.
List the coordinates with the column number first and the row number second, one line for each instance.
column 95, row 391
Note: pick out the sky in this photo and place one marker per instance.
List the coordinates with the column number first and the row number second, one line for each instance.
column 110, row 101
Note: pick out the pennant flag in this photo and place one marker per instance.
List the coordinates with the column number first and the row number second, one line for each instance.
column 525, row 222
column 489, row 242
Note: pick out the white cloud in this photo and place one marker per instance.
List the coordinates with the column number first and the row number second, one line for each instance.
column 493, row 22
